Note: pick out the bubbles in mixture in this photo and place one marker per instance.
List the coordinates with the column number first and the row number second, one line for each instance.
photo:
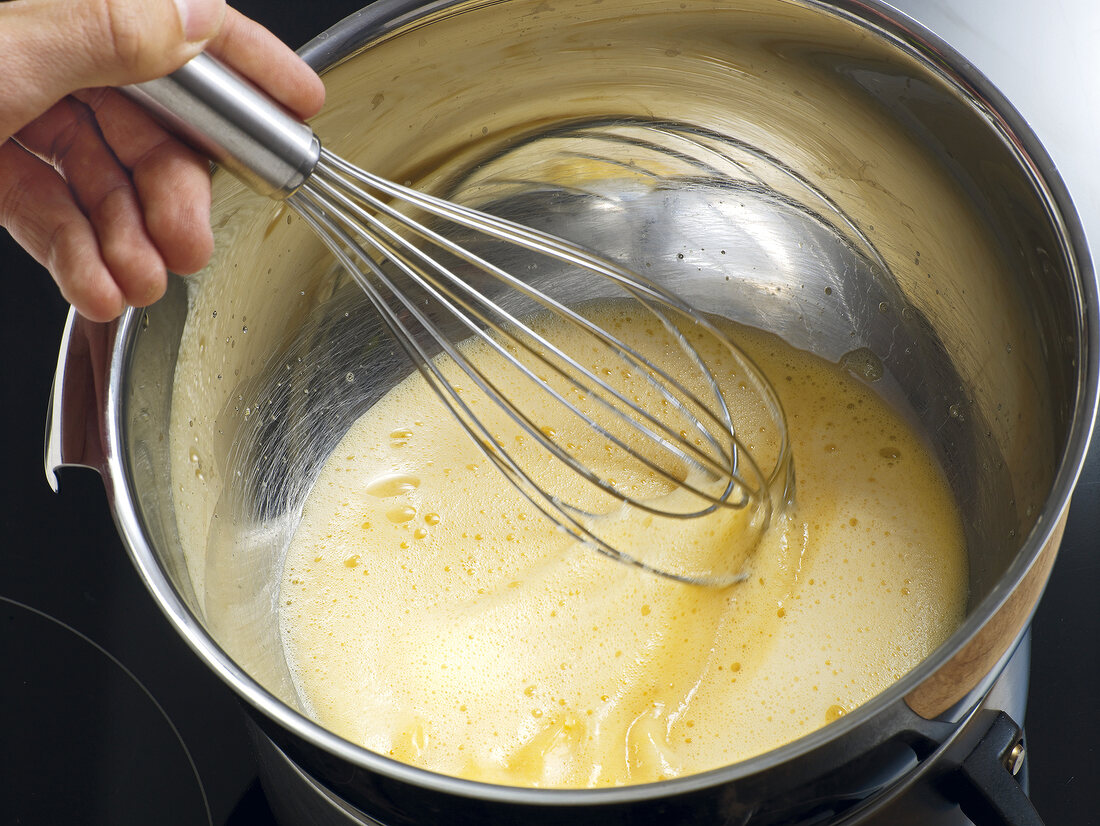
column 430, row 613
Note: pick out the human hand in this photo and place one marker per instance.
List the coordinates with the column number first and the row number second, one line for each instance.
column 90, row 185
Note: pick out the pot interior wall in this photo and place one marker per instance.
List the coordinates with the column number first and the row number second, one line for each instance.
column 774, row 162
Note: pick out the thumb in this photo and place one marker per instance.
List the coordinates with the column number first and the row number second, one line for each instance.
column 49, row 48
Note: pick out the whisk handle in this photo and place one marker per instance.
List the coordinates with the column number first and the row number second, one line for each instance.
column 233, row 124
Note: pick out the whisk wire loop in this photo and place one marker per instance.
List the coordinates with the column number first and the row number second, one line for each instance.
column 541, row 498
column 424, row 283
column 661, row 380
column 488, row 387
column 511, row 232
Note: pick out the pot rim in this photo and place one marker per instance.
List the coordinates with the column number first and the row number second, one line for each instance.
column 354, row 32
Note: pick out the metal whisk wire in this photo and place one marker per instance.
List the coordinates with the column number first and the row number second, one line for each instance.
column 338, row 203
column 424, row 284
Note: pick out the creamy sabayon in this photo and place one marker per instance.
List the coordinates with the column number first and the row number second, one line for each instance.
column 431, row 614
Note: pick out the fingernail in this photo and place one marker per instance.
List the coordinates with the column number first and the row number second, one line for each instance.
column 201, row 19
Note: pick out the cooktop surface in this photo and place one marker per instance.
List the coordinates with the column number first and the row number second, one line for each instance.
column 107, row 718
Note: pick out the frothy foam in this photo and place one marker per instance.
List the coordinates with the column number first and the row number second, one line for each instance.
column 431, row 614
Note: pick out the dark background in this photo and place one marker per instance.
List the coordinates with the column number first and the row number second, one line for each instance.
column 84, row 651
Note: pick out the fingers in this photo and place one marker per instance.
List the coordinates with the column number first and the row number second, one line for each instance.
column 107, row 225
column 49, row 48
column 68, row 137
column 272, row 65
column 172, row 182
column 39, row 211
column 109, row 204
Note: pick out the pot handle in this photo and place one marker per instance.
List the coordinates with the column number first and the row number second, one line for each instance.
column 986, row 784
column 75, row 433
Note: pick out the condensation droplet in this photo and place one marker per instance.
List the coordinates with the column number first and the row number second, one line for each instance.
column 863, row 363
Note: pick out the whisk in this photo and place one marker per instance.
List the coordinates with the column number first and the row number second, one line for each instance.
column 464, row 292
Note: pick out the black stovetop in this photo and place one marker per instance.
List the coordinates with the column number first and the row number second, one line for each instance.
column 107, row 718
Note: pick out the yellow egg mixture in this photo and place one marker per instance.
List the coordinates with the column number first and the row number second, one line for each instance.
column 431, row 614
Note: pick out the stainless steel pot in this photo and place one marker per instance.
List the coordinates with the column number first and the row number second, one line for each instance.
column 869, row 197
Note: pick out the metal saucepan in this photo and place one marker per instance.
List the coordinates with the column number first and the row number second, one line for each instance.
column 890, row 202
